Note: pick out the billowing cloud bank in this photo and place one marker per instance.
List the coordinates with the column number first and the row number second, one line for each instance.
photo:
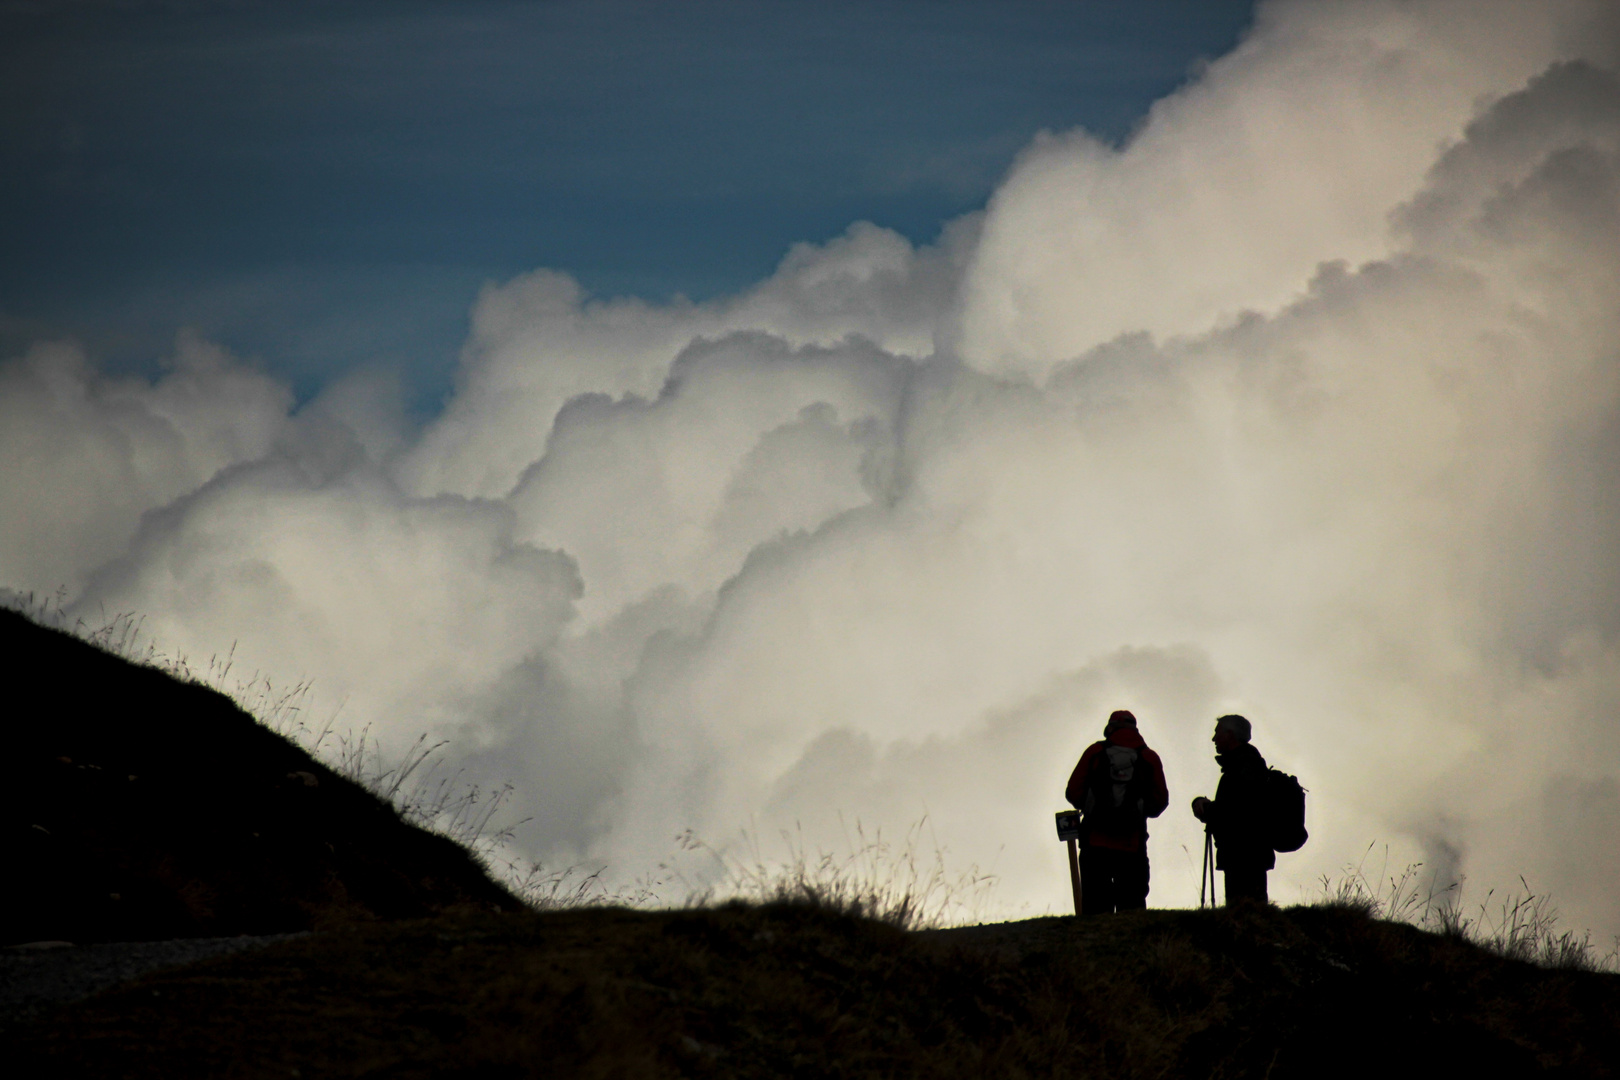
column 1305, row 404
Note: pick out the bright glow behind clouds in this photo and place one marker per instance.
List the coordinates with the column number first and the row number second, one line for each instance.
column 1305, row 404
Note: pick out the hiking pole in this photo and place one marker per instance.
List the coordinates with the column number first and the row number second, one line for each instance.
column 1068, row 828
column 1207, row 875
column 1209, row 842
column 1203, row 872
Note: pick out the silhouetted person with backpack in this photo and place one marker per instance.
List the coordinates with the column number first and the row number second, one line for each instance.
column 1244, row 814
column 1118, row 785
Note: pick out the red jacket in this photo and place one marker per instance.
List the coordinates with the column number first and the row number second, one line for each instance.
column 1155, row 799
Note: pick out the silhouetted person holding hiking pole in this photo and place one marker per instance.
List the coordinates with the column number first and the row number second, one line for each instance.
column 1118, row 785
column 1257, row 811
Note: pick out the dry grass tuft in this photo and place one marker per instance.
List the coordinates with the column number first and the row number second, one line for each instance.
column 1520, row 927
column 897, row 884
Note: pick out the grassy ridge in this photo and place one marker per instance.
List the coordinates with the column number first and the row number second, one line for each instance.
column 142, row 806
column 802, row 991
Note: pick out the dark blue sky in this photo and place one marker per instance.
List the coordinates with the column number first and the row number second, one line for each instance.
column 325, row 185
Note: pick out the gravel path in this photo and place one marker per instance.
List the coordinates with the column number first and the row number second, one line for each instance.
column 36, row 976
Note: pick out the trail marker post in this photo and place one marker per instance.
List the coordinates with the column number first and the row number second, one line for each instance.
column 1068, row 828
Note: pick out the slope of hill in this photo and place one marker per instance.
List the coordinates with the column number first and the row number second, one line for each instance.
column 797, row 991
column 139, row 807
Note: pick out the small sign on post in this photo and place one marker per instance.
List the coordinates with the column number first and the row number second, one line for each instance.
column 1068, row 828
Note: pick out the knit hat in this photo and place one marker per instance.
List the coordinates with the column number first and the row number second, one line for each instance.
column 1118, row 718
column 1236, row 724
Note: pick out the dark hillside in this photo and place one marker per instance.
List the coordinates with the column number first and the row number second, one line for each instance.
column 787, row 991
column 140, row 807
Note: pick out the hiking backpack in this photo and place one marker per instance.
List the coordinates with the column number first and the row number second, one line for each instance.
column 1285, row 812
column 1115, row 790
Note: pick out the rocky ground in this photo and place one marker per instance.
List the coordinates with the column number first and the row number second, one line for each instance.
column 40, row 975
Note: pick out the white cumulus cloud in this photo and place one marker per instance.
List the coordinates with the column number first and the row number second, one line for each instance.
column 1304, row 403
